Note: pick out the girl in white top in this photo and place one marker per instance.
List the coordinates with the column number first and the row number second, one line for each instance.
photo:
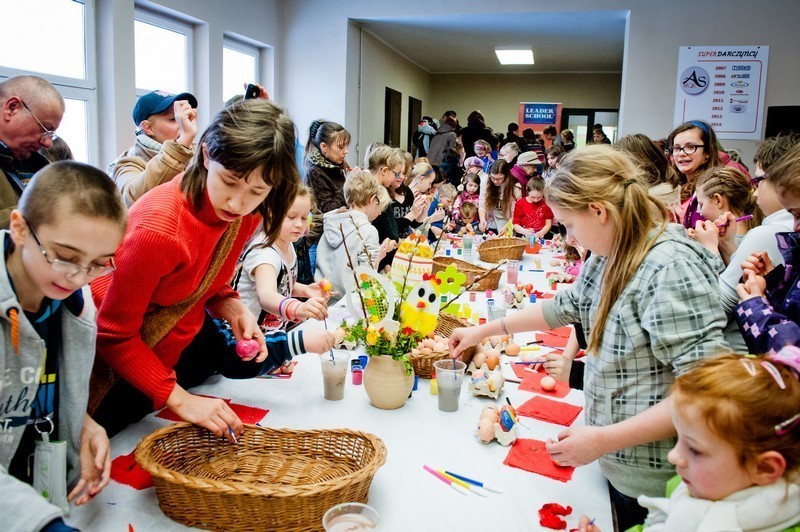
column 498, row 196
column 266, row 280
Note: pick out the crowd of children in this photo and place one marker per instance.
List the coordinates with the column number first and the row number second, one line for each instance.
column 201, row 238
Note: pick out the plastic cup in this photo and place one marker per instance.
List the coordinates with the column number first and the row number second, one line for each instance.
column 449, row 376
column 512, row 272
column 467, row 242
column 334, row 373
column 350, row 516
column 496, row 312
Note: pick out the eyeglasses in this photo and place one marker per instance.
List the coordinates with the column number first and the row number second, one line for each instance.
column 48, row 134
column 755, row 181
column 688, row 149
column 70, row 268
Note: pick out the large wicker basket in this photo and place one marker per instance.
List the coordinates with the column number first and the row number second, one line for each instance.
column 497, row 249
column 423, row 364
column 273, row 479
column 490, row 282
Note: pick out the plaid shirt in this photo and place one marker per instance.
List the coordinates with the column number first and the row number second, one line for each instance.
column 665, row 319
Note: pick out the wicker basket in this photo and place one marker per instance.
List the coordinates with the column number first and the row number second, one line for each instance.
column 497, row 249
column 423, row 364
column 490, row 282
column 273, row 479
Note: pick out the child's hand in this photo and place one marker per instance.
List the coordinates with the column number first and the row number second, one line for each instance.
column 758, row 263
column 210, row 413
column 438, row 215
column 584, row 526
column 95, row 462
column 707, row 234
column 245, row 327
column 315, row 307
column 753, row 286
column 386, row 246
column 558, row 366
column 318, row 341
column 482, row 226
column 186, row 117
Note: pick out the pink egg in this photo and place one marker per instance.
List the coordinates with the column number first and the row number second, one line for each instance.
column 247, row 348
column 548, row 383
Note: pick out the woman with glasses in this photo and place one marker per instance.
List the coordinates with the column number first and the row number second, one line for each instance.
column 387, row 164
column 498, row 196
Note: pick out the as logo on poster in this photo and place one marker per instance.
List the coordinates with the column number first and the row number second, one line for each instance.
column 694, row 80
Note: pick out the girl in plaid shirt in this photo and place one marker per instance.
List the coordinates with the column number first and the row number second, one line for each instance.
column 649, row 299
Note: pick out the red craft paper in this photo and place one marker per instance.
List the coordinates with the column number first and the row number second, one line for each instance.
column 563, row 332
column 531, row 455
column 551, row 340
column 519, row 370
column 247, row 413
column 549, row 515
column 550, row 411
column 125, row 470
column 531, row 382
column 543, row 295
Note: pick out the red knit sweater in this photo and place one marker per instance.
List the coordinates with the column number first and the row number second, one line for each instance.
column 165, row 253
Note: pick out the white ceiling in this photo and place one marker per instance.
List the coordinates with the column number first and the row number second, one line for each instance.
column 562, row 42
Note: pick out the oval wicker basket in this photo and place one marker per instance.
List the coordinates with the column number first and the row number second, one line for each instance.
column 423, row 364
column 273, row 479
column 490, row 282
column 497, row 249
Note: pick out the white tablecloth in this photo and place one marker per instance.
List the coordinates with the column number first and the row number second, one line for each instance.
column 406, row 496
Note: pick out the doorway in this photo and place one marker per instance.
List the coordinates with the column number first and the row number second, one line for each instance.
column 580, row 121
column 391, row 123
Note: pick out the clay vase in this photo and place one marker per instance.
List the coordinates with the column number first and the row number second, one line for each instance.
column 386, row 382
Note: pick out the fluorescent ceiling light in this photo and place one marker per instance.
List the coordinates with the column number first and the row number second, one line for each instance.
column 514, row 55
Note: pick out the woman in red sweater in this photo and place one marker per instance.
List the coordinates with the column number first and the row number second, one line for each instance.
column 156, row 321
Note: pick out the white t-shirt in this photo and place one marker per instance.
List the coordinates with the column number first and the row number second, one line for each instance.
column 245, row 283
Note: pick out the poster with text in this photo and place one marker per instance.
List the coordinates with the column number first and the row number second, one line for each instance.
column 537, row 116
column 725, row 86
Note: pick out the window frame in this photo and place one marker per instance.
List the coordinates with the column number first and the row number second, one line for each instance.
column 171, row 24
column 244, row 48
column 77, row 88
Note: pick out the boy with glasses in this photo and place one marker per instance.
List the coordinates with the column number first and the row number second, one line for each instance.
column 34, row 110
column 65, row 232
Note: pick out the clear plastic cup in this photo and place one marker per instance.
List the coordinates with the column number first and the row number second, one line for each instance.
column 512, row 272
column 350, row 516
column 449, row 377
column 334, row 374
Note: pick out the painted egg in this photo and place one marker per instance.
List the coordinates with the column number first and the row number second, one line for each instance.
column 548, row 383
column 479, row 359
column 511, row 410
column 495, row 381
column 506, row 421
column 247, row 348
column 485, row 430
column 492, row 360
column 512, row 350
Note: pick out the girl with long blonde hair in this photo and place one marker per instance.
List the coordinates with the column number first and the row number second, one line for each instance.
column 648, row 298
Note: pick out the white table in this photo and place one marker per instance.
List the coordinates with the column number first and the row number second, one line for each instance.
column 406, row 496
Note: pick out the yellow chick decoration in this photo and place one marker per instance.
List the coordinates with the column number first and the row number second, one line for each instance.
column 420, row 310
column 510, row 229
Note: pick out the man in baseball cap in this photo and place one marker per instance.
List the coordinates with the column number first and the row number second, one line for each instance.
column 525, row 169
column 166, row 128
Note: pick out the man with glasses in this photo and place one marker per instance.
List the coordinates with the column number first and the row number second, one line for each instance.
column 32, row 110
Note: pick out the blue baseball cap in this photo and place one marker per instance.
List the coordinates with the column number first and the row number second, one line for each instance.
column 155, row 102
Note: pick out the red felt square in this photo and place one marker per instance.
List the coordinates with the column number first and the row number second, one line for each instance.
column 248, row 414
column 531, row 382
column 519, row 370
column 551, row 340
column 550, row 411
column 531, row 455
column 125, row 470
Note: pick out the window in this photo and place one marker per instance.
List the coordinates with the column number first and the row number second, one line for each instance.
column 239, row 66
column 66, row 61
column 163, row 50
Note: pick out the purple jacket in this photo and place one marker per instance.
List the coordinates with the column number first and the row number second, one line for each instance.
column 772, row 322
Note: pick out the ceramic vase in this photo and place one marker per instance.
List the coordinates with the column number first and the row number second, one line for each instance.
column 386, row 382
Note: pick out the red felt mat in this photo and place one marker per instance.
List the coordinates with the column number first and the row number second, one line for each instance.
column 125, row 470
column 563, row 332
column 550, row 411
column 519, row 370
column 543, row 295
column 551, row 340
column 531, row 382
column 247, row 413
column 531, row 455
